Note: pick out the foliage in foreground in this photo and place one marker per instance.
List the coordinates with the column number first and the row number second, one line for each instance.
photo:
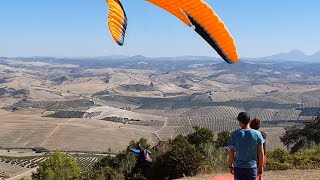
column 182, row 156
column 58, row 166
column 281, row 159
column 296, row 138
column 304, row 146
column 186, row 156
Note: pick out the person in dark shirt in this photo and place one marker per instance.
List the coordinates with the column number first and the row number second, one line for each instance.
column 255, row 124
column 144, row 160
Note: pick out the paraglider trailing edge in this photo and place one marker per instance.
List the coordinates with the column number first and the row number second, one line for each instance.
column 195, row 13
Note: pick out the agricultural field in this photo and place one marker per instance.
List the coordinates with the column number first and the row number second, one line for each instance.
column 27, row 129
column 13, row 166
column 100, row 105
column 8, row 170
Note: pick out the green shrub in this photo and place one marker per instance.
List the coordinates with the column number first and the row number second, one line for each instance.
column 297, row 138
column 182, row 160
column 58, row 166
column 223, row 138
column 102, row 174
column 215, row 158
column 276, row 165
column 281, row 159
column 307, row 159
column 281, row 155
column 200, row 136
column 182, row 156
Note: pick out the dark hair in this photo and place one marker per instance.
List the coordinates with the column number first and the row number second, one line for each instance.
column 244, row 118
column 255, row 123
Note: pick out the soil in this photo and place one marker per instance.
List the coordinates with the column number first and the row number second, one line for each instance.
column 275, row 175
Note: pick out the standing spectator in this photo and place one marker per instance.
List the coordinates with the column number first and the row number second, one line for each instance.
column 255, row 124
column 244, row 146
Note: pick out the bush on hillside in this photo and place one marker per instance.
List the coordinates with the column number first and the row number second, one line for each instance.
column 296, row 138
column 276, row 165
column 201, row 136
column 215, row 159
column 183, row 159
column 102, row 174
column 182, row 156
column 117, row 167
column 190, row 155
column 223, row 138
column 214, row 152
column 307, row 159
column 58, row 166
column 281, row 159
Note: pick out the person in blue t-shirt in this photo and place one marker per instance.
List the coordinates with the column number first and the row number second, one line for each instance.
column 244, row 146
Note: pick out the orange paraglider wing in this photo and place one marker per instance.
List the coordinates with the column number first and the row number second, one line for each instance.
column 117, row 21
column 200, row 16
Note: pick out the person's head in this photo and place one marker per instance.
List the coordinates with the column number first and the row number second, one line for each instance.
column 255, row 123
column 138, row 146
column 244, row 119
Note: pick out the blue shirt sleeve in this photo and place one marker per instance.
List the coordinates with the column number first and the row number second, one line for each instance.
column 232, row 144
column 260, row 139
column 137, row 152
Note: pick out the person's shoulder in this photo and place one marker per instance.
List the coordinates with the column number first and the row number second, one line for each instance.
column 255, row 131
column 236, row 131
column 264, row 135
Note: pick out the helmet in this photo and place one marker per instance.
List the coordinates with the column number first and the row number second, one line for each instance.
column 138, row 146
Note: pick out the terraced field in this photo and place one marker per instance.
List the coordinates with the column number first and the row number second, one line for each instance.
column 163, row 112
column 27, row 129
column 8, row 170
column 275, row 114
column 27, row 162
column 213, row 111
column 11, row 166
column 87, row 161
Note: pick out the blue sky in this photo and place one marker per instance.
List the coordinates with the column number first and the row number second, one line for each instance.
column 79, row 28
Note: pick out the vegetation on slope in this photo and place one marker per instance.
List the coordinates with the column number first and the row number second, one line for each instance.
column 297, row 138
column 190, row 155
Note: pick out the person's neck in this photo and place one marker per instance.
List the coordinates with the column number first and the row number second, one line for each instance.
column 246, row 127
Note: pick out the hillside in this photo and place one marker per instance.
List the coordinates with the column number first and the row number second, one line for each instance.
column 157, row 98
column 98, row 105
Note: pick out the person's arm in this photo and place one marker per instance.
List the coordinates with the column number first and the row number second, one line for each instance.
column 260, row 153
column 260, row 159
column 231, row 160
column 264, row 135
column 148, row 151
column 232, row 149
column 136, row 151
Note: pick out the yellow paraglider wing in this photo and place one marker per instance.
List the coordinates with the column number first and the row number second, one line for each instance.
column 200, row 16
column 117, row 21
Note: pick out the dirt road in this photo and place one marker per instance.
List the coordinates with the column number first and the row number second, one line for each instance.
column 275, row 175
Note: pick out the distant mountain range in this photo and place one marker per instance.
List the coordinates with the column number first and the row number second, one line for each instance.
column 294, row 55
